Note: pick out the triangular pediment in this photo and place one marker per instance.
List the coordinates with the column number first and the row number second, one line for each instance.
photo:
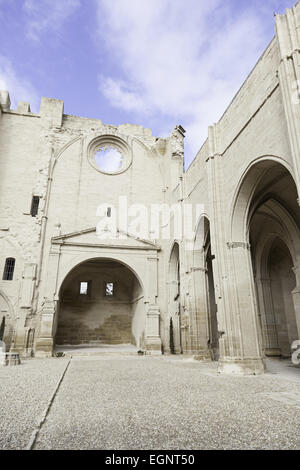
column 89, row 237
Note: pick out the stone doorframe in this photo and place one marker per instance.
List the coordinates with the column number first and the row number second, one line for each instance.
column 141, row 257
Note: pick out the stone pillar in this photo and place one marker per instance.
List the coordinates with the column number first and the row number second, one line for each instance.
column 19, row 333
column 26, row 296
column 185, row 329
column 45, row 341
column 200, row 333
column 240, row 348
column 174, row 313
column 296, row 298
column 48, row 319
column 152, row 332
column 152, row 337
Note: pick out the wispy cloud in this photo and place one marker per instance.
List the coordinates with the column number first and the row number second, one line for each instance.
column 19, row 88
column 120, row 94
column 47, row 15
column 177, row 61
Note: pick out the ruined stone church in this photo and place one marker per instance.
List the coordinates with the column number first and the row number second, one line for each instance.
column 234, row 297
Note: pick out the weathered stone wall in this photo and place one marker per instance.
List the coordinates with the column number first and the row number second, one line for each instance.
column 44, row 155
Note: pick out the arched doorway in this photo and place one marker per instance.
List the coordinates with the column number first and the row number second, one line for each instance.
column 275, row 253
column 278, row 321
column 175, row 336
column 101, row 302
column 204, row 292
column 213, row 340
column 267, row 216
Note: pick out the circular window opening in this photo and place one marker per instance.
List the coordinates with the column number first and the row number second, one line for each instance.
column 109, row 159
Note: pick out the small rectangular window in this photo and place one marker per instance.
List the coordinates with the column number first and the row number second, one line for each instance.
column 84, row 287
column 34, row 205
column 109, row 289
column 9, row 268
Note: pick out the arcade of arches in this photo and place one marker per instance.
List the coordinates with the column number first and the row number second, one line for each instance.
column 270, row 225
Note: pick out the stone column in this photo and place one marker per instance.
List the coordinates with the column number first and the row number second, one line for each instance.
column 153, row 340
column 296, row 297
column 45, row 340
column 174, row 312
column 240, row 348
column 26, row 296
column 185, row 329
column 152, row 331
column 200, row 333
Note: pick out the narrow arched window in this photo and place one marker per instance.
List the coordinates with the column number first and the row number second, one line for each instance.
column 34, row 206
column 9, row 268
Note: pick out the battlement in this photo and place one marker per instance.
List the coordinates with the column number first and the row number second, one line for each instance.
column 52, row 115
column 4, row 100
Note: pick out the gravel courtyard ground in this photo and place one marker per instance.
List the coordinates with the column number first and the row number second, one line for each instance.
column 128, row 402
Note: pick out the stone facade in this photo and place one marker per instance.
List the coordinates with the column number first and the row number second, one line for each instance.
column 233, row 297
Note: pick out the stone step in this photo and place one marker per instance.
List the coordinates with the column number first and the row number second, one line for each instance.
column 100, row 353
column 97, row 349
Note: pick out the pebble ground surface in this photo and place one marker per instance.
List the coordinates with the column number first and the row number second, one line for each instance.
column 128, row 402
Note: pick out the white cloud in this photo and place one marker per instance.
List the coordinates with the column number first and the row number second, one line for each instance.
column 180, row 60
column 19, row 88
column 119, row 94
column 47, row 15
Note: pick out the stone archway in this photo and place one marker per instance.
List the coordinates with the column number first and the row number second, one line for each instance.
column 265, row 206
column 280, row 328
column 275, row 251
column 175, row 300
column 204, row 292
column 101, row 302
column 210, row 295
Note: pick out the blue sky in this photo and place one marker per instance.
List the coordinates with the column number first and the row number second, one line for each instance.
column 157, row 63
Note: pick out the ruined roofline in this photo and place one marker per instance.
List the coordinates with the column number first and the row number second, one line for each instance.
column 53, row 110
